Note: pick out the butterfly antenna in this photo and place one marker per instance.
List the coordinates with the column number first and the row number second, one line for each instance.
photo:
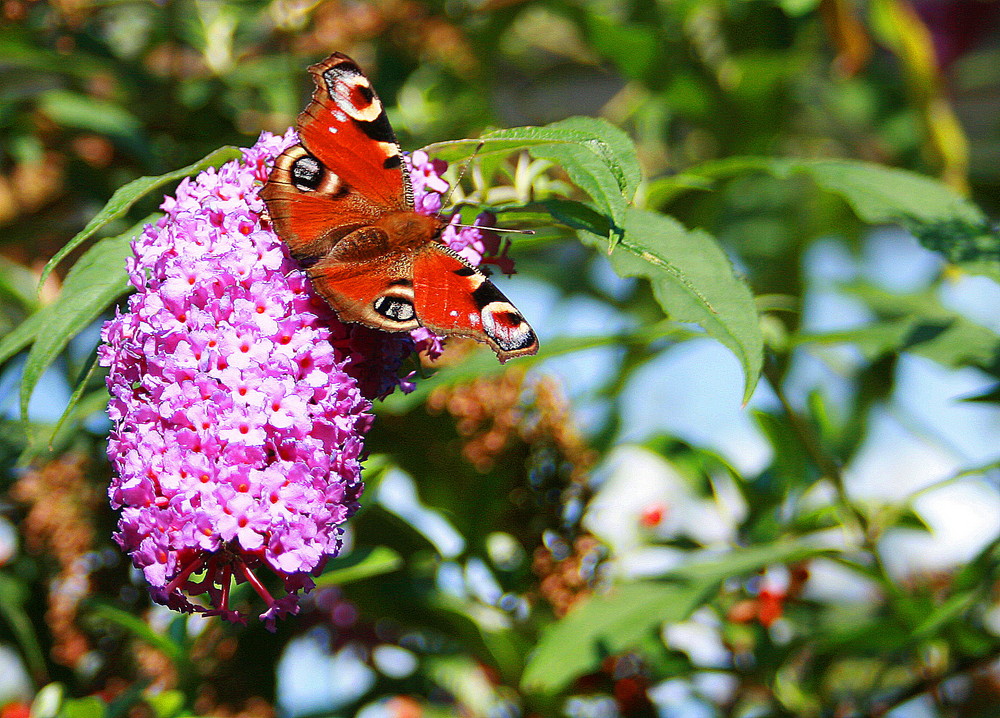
column 493, row 229
column 461, row 175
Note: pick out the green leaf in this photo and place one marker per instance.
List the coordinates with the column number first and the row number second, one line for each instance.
column 743, row 561
column 484, row 363
column 620, row 144
column 884, row 194
column 87, row 707
column 477, row 623
column 614, row 622
column 48, row 701
column 576, row 215
column 693, row 281
column 916, row 323
column 72, row 109
column 633, row 47
column 21, row 336
column 138, row 628
column 166, row 704
column 17, row 284
column 78, row 408
column 44, row 442
column 124, row 197
column 361, row 563
column 97, row 279
column 12, row 598
column 940, row 218
column 797, row 8
column 597, row 156
column 604, row 625
column 464, row 678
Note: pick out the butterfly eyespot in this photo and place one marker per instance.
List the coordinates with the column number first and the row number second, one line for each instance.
column 394, row 308
column 507, row 327
column 307, row 173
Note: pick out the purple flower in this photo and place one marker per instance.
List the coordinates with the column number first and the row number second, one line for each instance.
column 240, row 402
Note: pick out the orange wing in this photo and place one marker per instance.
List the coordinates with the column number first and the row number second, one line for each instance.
column 453, row 297
column 346, row 173
column 345, row 127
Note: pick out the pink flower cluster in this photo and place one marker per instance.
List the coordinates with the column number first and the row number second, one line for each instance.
column 239, row 401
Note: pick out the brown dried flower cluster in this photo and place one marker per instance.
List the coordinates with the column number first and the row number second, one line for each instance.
column 509, row 415
column 60, row 502
column 564, row 581
column 487, row 413
column 550, row 422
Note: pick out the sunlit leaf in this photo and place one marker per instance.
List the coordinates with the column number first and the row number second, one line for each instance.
column 96, row 280
column 126, row 196
column 619, row 620
column 598, row 157
column 86, row 707
column 693, row 281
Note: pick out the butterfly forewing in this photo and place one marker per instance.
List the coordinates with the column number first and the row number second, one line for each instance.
column 311, row 207
column 452, row 297
column 346, row 128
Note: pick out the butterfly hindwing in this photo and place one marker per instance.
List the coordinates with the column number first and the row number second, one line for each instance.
column 367, row 282
column 453, row 297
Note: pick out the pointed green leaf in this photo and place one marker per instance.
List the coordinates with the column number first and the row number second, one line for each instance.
column 86, row 707
column 620, row 144
column 13, row 596
column 85, row 408
column 17, row 284
column 138, row 628
column 124, row 197
column 97, row 279
column 693, row 281
column 619, row 620
column 484, row 363
column 940, row 218
column 73, row 109
column 602, row 626
column 21, row 336
column 361, row 563
column 916, row 323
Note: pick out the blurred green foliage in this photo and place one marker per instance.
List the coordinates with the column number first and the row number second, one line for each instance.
column 738, row 132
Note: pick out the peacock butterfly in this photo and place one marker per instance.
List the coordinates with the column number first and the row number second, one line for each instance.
column 341, row 200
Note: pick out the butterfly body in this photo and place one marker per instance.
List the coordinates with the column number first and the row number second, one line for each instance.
column 341, row 200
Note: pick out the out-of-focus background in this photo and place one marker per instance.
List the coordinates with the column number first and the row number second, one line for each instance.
column 865, row 463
